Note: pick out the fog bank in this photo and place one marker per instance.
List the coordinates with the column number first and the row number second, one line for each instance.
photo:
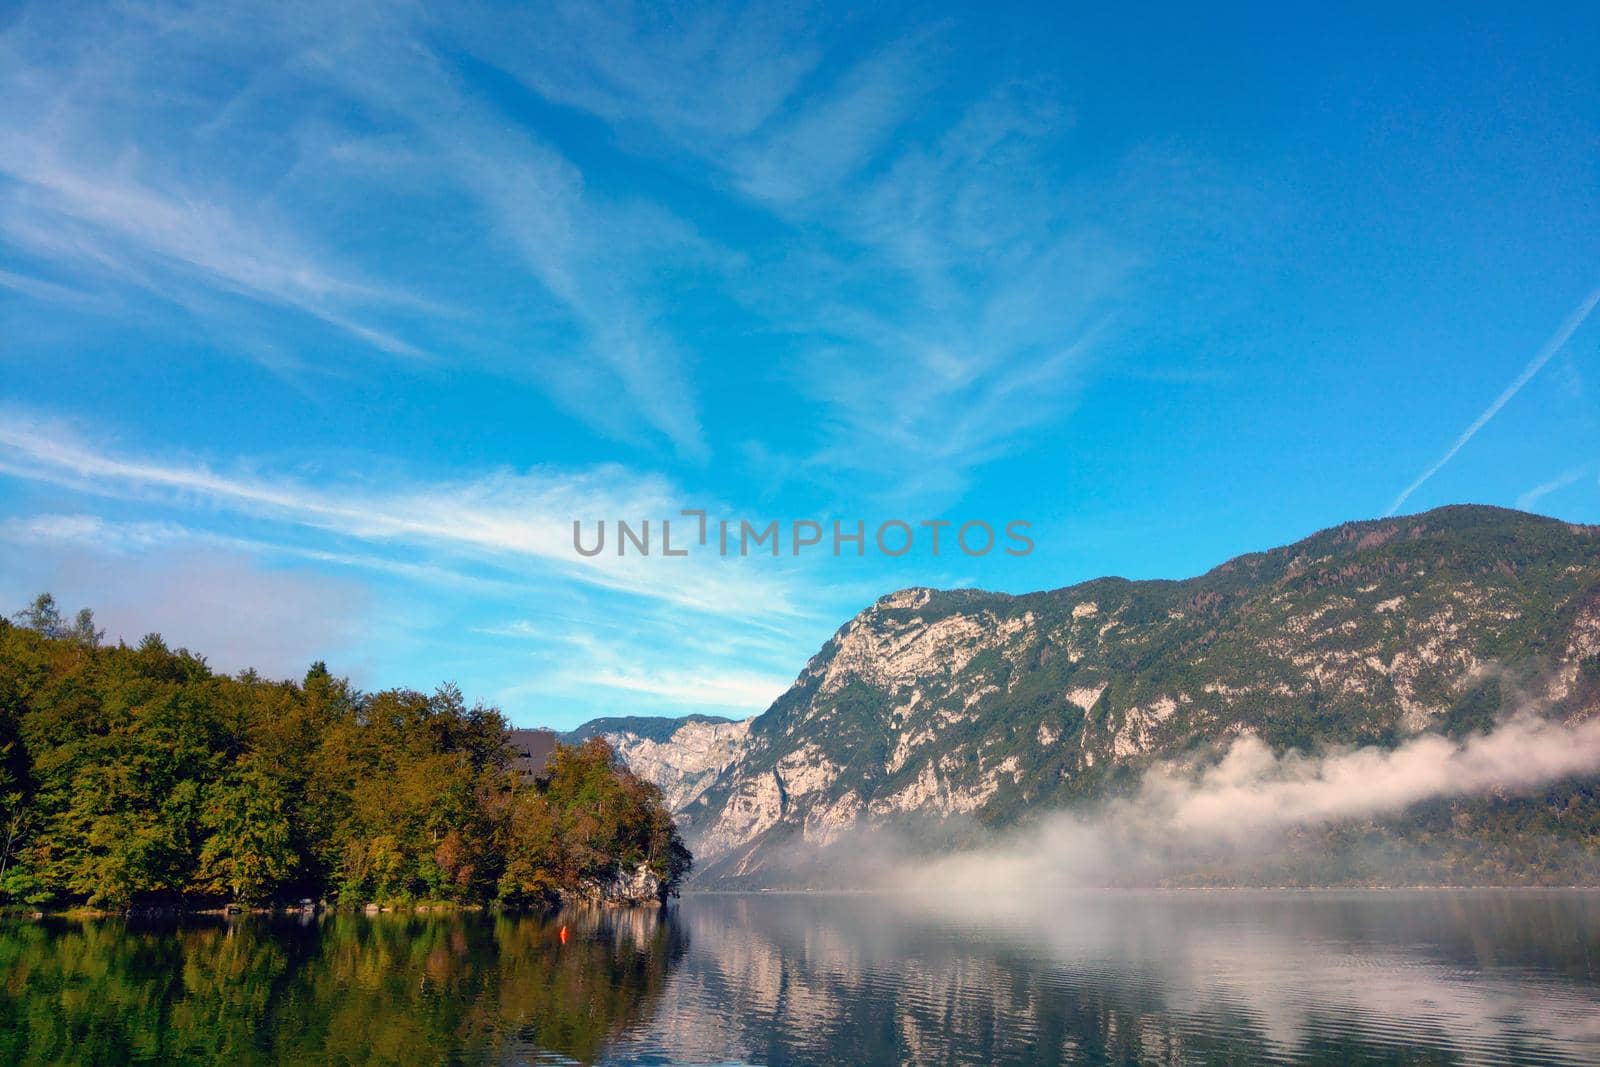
column 1243, row 806
column 1252, row 790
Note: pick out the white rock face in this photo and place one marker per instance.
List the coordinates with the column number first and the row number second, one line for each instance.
column 755, row 806
column 826, row 822
column 932, row 792
column 1085, row 696
column 687, row 762
column 634, row 888
column 1139, row 727
column 806, row 770
column 1583, row 645
column 886, row 657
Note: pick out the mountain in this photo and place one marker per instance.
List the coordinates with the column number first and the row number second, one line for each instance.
column 971, row 710
column 647, row 727
column 682, row 755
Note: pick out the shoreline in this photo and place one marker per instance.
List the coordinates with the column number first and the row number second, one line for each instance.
column 84, row 913
column 1150, row 890
column 12, row 912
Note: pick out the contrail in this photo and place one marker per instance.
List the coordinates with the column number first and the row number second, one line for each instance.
column 1551, row 347
column 1527, row 500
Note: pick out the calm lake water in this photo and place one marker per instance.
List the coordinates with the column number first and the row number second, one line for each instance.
column 1331, row 977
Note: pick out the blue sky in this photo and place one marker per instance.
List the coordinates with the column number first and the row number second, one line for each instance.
column 320, row 323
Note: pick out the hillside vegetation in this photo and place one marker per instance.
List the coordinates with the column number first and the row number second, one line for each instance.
column 138, row 776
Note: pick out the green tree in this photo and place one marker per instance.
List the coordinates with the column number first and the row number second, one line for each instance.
column 42, row 617
column 249, row 852
column 136, row 776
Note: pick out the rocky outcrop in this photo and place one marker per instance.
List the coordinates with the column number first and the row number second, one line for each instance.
column 626, row 888
column 973, row 706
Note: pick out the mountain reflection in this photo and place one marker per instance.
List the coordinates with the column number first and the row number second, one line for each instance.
column 1448, row 977
column 1135, row 978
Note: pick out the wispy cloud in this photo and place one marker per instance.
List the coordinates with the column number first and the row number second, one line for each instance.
column 612, row 654
column 535, row 202
column 837, row 133
column 400, row 567
column 517, row 519
column 705, row 680
column 1556, row 342
column 941, row 286
column 701, row 75
column 109, row 167
column 944, row 285
column 1527, row 500
column 679, row 667
column 90, row 531
column 42, row 290
column 67, row 204
column 134, row 538
column 743, row 691
column 1002, row 296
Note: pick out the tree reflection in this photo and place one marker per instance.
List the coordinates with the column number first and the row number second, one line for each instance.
column 339, row 989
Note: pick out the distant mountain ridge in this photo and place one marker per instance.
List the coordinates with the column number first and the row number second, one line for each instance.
column 682, row 755
column 984, row 708
column 648, row 727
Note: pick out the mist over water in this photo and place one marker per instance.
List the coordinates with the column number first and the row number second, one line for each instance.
column 1238, row 808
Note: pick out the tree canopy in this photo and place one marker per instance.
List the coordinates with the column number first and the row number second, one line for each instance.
column 134, row 776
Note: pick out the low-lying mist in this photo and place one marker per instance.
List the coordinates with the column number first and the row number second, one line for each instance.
column 1245, row 807
column 1251, row 789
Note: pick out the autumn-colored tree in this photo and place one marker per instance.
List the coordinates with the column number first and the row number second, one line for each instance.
column 138, row 775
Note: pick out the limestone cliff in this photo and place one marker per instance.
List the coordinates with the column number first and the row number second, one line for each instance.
column 637, row 887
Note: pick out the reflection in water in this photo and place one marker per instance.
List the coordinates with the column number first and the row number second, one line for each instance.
column 1473, row 977
column 1135, row 978
column 341, row 989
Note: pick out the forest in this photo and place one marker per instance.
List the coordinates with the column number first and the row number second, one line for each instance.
column 135, row 777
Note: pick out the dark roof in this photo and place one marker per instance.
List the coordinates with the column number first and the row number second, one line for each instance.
column 531, row 750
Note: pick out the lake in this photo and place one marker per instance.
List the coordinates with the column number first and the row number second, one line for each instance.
column 1192, row 977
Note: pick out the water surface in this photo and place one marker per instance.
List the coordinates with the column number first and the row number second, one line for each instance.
column 1330, row 977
